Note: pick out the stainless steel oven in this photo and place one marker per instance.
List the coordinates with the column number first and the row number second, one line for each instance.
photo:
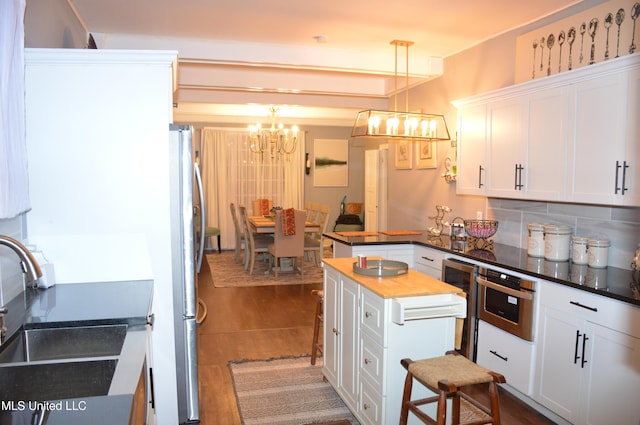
column 507, row 302
column 463, row 276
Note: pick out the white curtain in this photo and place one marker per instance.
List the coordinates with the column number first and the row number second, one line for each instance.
column 14, row 183
column 232, row 173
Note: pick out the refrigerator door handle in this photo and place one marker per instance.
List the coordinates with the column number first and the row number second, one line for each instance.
column 203, row 211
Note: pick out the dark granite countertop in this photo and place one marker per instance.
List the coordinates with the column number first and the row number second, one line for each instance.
column 610, row 282
column 76, row 305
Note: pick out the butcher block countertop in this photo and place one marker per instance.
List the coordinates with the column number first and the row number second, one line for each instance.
column 411, row 284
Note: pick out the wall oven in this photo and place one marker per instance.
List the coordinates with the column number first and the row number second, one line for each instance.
column 463, row 275
column 507, row 302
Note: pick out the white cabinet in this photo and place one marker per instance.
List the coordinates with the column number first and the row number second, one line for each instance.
column 341, row 335
column 604, row 148
column 472, row 142
column 571, row 137
column 363, row 347
column 506, row 354
column 588, row 362
column 428, row 261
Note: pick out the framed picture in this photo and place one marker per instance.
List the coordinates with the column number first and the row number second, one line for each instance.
column 426, row 154
column 331, row 162
column 403, row 155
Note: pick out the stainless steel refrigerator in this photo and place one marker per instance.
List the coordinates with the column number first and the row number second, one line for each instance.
column 187, row 243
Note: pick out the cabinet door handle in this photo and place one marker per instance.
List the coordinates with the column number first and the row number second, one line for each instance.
column 624, row 175
column 577, row 304
column 366, row 361
column 518, row 177
column 506, row 359
column 480, row 176
column 335, row 331
column 367, row 314
column 428, row 259
column 365, row 406
column 575, row 352
column 616, row 188
column 584, row 343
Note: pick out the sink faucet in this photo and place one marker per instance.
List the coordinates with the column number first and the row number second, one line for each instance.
column 29, row 264
column 3, row 330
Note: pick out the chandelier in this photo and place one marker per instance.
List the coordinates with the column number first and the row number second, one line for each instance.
column 400, row 125
column 276, row 140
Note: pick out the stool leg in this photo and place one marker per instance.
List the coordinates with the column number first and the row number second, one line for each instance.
column 441, row 414
column 219, row 249
column 495, row 402
column 455, row 409
column 316, row 331
column 406, row 398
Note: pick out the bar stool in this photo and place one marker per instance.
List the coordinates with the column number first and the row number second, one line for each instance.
column 316, row 347
column 445, row 375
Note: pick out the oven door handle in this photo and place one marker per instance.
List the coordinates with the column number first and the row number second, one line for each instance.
column 504, row 289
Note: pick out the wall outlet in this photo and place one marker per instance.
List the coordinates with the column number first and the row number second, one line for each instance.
column 478, row 215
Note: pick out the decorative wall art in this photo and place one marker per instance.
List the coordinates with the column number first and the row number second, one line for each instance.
column 403, row 155
column 601, row 33
column 426, row 154
column 331, row 162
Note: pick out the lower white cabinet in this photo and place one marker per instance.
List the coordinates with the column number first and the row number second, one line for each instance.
column 363, row 348
column 428, row 261
column 588, row 366
column 507, row 354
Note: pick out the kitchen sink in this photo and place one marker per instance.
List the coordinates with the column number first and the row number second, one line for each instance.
column 56, row 380
column 39, row 344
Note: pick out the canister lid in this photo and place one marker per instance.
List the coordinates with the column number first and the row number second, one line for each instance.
column 599, row 242
column 557, row 230
column 536, row 226
column 579, row 239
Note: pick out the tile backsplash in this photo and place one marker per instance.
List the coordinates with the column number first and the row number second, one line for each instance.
column 621, row 225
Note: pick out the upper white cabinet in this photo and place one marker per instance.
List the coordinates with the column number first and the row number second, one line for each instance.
column 604, row 143
column 472, row 142
column 570, row 137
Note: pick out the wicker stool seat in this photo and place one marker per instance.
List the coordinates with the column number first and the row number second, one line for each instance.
column 445, row 375
column 316, row 347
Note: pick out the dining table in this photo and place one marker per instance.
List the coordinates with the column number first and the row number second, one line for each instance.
column 265, row 224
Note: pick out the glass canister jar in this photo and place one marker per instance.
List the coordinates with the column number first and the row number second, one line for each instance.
column 556, row 242
column 535, row 246
column 598, row 251
column 579, row 250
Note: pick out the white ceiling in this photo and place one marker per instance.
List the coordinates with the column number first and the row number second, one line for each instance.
column 304, row 54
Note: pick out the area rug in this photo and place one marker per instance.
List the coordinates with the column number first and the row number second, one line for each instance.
column 225, row 273
column 286, row 391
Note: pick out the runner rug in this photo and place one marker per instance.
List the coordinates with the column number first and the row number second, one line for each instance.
column 225, row 272
column 286, row 391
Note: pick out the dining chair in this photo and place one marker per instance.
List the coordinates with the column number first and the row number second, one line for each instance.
column 262, row 206
column 241, row 241
column 314, row 242
column 257, row 244
column 313, row 214
column 287, row 246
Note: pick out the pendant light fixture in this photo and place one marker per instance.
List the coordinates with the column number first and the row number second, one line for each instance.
column 400, row 125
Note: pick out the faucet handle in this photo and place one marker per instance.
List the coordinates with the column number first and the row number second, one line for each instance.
column 4, row 309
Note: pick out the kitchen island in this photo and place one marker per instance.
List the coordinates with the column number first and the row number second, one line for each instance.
column 371, row 323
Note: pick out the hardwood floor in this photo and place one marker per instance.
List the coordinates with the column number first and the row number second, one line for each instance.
column 264, row 322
